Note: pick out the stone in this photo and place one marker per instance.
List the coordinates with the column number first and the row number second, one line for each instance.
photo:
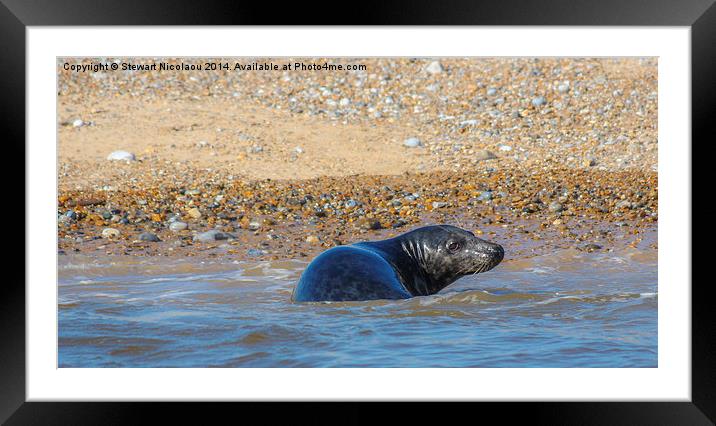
column 484, row 154
column 178, row 226
column 412, row 143
column 434, row 68
column 555, row 207
column 149, row 237
column 563, row 87
column 213, row 235
column 369, row 224
column 110, row 233
column 591, row 247
column 539, row 101
column 485, row 196
column 252, row 252
column 121, row 156
column 624, row 204
column 194, row 213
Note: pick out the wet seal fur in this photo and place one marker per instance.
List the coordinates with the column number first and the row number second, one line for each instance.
column 418, row 263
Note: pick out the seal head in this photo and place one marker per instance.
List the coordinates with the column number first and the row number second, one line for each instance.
column 430, row 258
column 418, row 263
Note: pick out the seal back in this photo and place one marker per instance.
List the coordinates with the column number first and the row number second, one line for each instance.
column 349, row 273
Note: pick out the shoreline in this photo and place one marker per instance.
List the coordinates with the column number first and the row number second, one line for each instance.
column 528, row 211
column 536, row 153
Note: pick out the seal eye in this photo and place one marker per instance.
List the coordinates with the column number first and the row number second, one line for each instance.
column 453, row 246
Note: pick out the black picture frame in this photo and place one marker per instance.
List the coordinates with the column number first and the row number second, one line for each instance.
column 16, row 15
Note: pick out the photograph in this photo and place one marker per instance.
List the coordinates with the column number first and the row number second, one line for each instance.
column 239, row 205
column 357, row 212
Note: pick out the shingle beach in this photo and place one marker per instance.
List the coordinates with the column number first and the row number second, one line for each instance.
column 535, row 154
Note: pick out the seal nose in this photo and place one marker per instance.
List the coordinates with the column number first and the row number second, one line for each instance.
column 498, row 252
column 495, row 251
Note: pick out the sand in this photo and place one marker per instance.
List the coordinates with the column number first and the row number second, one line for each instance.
column 578, row 132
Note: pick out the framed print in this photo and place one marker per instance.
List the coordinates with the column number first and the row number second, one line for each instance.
column 490, row 204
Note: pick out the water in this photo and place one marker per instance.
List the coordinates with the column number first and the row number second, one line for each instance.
column 567, row 309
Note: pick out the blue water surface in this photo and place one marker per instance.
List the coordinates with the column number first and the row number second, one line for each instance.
column 566, row 309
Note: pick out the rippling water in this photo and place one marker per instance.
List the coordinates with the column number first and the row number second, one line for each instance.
column 569, row 309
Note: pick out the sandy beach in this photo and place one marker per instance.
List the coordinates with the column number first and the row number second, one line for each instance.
column 533, row 153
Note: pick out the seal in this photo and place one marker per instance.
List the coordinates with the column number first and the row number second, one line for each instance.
column 418, row 263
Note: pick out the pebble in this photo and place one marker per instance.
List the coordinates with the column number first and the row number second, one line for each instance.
column 491, row 91
column 434, row 68
column 194, row 213
column 591, row 247
column 483, row 155
column 412, row 142
column 110, row 233
column 254, row 225
column 178, row 226
column 485, row 196
column 538, row 101
column 312, row 239
column 252, row 252
column 78, row 123
column 213, row 235
column 624, row 204
column 369, row 224
column 563, row 87
column 121, row 155
column 439, row 204
column 70, row 214
column 148, row 236
column 399, row 223
column 555, row 207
